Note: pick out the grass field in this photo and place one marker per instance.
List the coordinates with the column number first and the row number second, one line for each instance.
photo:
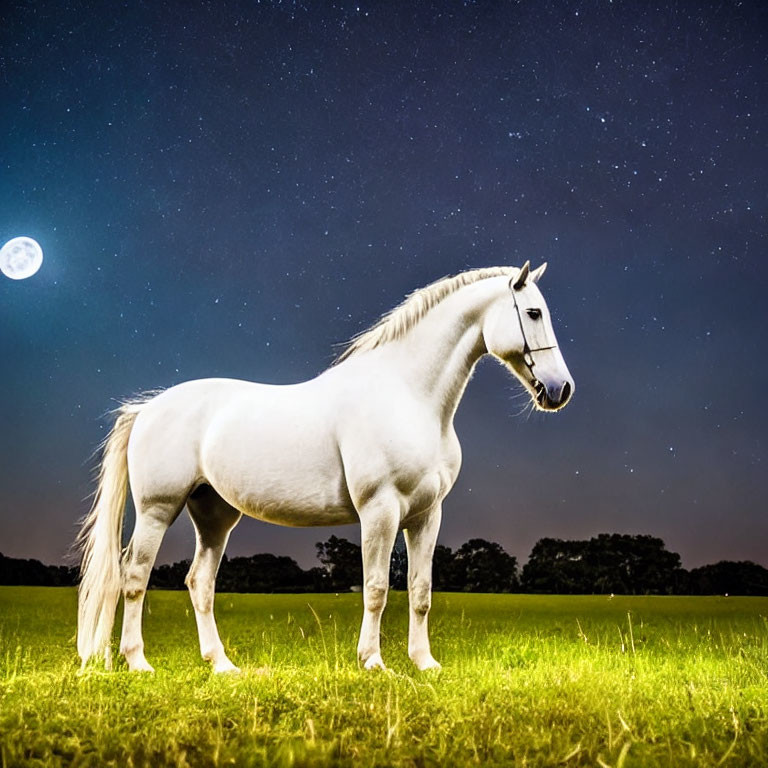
column 526, row 680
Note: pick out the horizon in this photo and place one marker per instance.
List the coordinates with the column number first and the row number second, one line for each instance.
column 305, row 563
column 234, row 195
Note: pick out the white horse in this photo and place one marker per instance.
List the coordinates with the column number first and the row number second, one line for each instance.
column 370, row 440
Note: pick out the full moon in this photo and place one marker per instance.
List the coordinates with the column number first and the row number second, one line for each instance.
column 20, row 258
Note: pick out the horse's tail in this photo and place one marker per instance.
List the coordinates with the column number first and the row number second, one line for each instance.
column 100, row 541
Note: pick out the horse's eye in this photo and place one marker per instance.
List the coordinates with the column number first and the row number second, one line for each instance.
column 534, row 314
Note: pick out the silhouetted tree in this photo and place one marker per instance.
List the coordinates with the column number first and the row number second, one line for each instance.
column 556, row 566
column 484, row 566
column 630, row 565
column 32, row 573
column 170, row 575
column 398, row 565
column 258, row 573
column 342, row 561
column 606, row 563
column 262, row 573
column 443, row 570
column 729, row 578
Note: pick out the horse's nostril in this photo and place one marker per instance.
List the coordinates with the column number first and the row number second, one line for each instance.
column 565, row 392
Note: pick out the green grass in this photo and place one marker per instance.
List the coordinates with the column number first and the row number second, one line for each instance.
column 526, row 680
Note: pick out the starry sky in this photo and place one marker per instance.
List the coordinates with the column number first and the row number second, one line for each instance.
column 233, row 188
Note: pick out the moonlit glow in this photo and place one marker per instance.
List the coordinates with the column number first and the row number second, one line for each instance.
column 20, row 258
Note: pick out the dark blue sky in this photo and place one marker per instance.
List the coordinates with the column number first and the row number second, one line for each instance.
column 231, row 188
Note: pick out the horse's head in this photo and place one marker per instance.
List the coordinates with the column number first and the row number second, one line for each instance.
column 518, row 331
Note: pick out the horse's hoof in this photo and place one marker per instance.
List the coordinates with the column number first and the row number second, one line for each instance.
column 426, row 662
column 141, row 666
column 226, row 668
column 374, row 662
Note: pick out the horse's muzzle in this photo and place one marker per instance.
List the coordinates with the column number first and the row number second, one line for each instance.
column 552, row 398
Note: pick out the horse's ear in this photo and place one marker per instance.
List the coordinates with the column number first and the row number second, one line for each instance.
column 522, row 276
column 538, row 272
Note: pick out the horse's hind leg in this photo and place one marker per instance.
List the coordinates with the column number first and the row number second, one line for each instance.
column 213, row 519
column 152, row 521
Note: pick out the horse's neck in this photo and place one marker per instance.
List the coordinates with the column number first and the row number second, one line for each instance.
column 439, row 353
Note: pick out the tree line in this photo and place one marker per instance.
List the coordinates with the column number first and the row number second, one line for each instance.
column 605, row 564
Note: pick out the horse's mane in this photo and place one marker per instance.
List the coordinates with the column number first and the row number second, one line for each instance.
column 397, row 322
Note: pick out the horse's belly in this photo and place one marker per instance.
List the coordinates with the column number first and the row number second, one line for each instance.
column 295, row 494
column 278, row 478
column 291, row 501
column 297, row 516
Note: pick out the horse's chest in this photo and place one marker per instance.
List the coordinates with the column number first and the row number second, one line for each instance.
column 421, row 472
column 427, row 491
column 426, row 480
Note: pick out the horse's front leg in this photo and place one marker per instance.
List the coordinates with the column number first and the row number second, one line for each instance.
column 420, row 539
column 379, row 520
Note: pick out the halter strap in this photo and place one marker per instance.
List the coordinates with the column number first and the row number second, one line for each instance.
column 527, row 351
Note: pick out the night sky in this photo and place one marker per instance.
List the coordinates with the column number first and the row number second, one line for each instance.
column 235, row 188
